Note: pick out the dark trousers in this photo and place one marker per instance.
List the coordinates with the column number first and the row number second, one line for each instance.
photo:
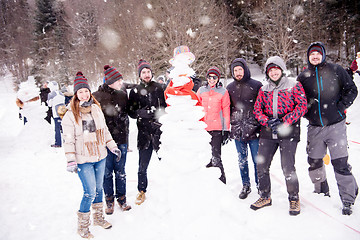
column 144, row 160
column 267, row 149
column 111, row 167
column 58, row 131
column 216, row 139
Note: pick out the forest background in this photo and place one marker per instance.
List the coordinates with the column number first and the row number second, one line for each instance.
column 53, row 39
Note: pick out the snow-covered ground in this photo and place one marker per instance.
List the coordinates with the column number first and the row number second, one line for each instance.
column 39, row 198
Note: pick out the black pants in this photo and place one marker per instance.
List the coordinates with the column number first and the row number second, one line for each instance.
column 216, row 139
column 144, row 160
column 267, row 149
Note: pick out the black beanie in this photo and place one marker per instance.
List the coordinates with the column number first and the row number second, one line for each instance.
column 236, row 62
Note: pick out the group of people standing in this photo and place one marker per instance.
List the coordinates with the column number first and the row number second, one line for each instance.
column 263, row 117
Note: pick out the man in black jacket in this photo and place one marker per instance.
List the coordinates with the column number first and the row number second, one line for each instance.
column 146, row 100
column 113, row 101
column 244, row 127
column 329, row 91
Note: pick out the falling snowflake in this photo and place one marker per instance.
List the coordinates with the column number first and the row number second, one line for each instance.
column 204, row 20
column 110, row 39
column 149, row 23
column 191, row 33
column 159, row 34
column 298, row 10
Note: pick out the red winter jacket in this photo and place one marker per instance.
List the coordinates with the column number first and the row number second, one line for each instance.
column 286, row 101
column 216, row 103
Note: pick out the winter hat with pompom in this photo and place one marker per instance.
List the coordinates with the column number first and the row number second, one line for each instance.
column 354, row 66
column 213, row 70
column 111, row 75
column 80, row 82
column 143, row 64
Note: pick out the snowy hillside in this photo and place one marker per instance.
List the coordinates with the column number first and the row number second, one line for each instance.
column 39, row 198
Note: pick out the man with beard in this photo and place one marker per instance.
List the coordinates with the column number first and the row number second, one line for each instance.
column 329, row 90
column 145, row 102
column 244, row 127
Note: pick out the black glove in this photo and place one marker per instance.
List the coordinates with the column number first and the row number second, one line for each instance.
column 274, row 123
column 145, row 113
column 225, row 137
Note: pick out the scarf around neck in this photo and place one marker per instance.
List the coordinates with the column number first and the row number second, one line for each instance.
column 93, row 129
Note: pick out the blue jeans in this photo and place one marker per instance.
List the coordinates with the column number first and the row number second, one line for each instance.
column 120, row 176
column 58, row 131
column 92, row 177
column 242, row 149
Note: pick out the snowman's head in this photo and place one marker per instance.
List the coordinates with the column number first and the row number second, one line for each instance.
column 28, row 90
column 181, row 72
column 182, row 55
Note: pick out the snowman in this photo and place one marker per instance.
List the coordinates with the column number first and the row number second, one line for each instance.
column 183, row 134
column 36, row 129
column 185, row 150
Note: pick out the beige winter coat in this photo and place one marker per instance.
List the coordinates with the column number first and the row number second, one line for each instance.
column 84, row 147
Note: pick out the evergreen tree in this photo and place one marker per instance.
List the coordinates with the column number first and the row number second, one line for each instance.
column 45, row 22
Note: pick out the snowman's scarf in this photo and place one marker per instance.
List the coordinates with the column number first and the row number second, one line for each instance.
column 93, row 130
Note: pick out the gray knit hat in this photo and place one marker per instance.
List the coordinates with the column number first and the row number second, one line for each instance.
column 80, row 82
column 143, row 64
column 111, row 75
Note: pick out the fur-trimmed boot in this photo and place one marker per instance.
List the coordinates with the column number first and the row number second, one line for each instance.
column 98, row 216
column 83, row 225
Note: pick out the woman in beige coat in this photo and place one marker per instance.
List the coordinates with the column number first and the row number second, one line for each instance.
column 86, row 137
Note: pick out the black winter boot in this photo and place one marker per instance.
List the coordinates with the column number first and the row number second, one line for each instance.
column 222, row 177
column 245, row 191
column 209, row 164
column 325, row 188
column 347, row 208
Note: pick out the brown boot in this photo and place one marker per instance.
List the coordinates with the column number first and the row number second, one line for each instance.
column 109, row 205
column 83, row 225
column 140, row 198
column 98, row 216
column 123, row 205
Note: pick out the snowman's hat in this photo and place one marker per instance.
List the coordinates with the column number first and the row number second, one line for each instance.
column 183, row 50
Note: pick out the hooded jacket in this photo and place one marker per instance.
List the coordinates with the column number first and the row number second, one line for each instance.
column 243, row 94
column 329, row 90
column 114, row 105
column 285, row 100
column 55, row 98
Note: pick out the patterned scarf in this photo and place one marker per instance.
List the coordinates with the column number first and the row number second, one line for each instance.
column 93, row 129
